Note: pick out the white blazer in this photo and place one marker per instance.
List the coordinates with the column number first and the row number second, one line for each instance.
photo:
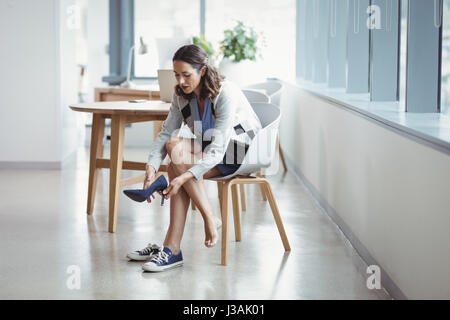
column 236, row 124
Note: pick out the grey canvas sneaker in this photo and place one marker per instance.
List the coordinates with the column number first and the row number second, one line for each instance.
column 144, row 254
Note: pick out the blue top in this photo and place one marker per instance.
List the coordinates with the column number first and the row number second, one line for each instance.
column 207, row 119
column 209, row 123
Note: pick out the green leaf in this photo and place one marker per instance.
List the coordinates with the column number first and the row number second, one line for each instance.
column 241, row 43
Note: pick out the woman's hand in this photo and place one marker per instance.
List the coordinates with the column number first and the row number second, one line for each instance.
column 176, row 184
column 150, row 174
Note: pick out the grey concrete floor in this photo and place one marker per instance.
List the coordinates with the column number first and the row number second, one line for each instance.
column 44, row 230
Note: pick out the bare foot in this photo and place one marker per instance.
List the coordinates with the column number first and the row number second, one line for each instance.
column 218, row 223
column 212, row 224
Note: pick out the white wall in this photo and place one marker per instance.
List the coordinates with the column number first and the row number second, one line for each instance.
column 97, row 34
column 140, row 134
column 28, row 113
column 72, row 133
column 37, row 83
column 392, row 192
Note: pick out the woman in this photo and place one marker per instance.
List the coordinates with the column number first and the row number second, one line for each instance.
column 224, row 124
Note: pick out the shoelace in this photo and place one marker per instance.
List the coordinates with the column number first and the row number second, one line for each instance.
column 149, row 249
column 161, row 257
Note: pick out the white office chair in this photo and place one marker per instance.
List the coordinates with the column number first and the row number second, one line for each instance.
column 259, row 155
column 273, row 89
column 255, row 96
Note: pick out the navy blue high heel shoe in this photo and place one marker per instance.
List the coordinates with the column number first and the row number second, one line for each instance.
column 141, row 195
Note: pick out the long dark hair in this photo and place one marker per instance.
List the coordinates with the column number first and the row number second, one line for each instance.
column 197, row 58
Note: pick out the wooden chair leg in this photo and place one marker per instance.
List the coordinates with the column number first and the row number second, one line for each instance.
column 225, row 203
column 236, row 214
column 117, row 138
column 243, row 203
column 219, row 193
column 280, row 151
column 276, row 215
column 98, row 131
column 263, row 193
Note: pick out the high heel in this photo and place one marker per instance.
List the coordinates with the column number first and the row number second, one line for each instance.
column 141, row 195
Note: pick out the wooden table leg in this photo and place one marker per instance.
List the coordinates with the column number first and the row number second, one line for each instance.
column 157, row 127
column 97, row 134
column 117, row 138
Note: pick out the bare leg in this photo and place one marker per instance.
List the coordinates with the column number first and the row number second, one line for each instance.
column 182, row 153
column 179, row 205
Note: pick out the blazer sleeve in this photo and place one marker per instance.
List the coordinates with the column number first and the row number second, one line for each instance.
column 170, row 128
column 221, row 135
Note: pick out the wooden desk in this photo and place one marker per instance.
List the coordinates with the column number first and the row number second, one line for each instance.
column 124, row 94
column 120, row 113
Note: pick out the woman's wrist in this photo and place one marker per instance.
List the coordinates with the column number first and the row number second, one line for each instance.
column 150, row 168
column 187, row 176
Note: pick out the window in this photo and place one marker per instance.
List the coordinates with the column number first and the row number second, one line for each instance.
column 177, row 23
column 394, row 35
column 403, row 46
column 424, row 56
column 275, row 18
column 158, row 22
column 445, row 69
column 384, row 28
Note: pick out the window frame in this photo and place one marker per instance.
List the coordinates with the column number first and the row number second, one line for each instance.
column 424, row 126
column 362, row 54
column 202, row 31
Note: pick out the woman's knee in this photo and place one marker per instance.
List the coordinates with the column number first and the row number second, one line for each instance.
column 171, row 144
column 179, row 151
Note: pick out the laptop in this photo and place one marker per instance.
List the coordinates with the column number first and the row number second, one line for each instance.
column 167, row 83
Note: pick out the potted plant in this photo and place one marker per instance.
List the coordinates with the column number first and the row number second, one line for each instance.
column 205, row 45
column 240, row 49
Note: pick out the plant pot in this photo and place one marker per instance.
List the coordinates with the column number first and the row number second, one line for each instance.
column 242, row 73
